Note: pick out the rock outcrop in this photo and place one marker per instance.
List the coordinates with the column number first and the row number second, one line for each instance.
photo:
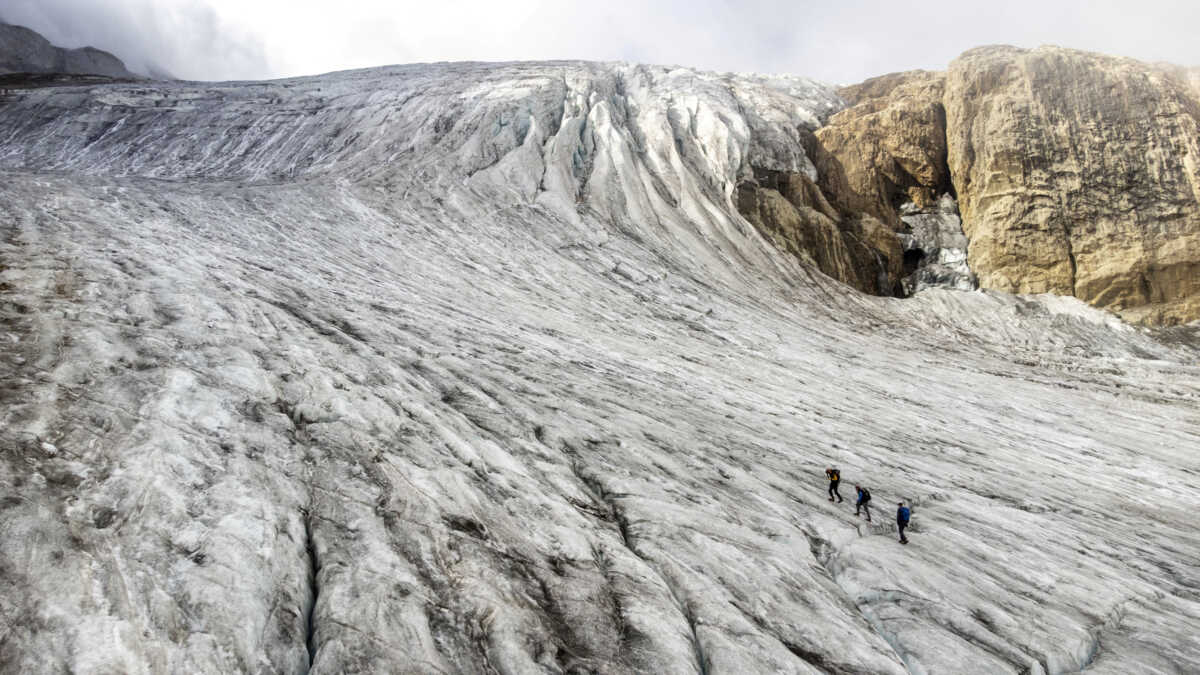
column 885, row 150
column 25, row 51
column 792, row 212
column 1079, row 174
column 888, row 148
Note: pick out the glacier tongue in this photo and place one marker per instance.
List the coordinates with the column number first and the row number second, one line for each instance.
column 468, row 368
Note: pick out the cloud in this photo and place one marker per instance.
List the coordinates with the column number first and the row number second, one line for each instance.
column 844, row 41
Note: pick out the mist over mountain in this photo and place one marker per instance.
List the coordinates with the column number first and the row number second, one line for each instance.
column 538, row 367
column 25, row 51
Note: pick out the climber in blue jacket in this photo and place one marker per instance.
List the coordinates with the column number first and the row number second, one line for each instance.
column 902, row 515
column 864, row 501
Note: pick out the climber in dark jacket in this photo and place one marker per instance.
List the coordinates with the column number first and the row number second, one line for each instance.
column 834, row 476
column 902, row 515
column 864, row 501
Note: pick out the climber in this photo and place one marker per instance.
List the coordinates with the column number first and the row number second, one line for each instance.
column 902, row 515
column 864, row 501
column 834, row 476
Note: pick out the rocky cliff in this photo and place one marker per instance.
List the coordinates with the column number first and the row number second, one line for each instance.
column 1076, row 173
column 793, row 212
column 1079, row 174
column 888, row 147
column 25, row 51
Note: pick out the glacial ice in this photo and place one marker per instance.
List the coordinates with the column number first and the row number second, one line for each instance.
column 475, row 368
column 935, row 237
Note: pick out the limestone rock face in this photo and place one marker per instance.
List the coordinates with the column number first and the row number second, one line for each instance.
column 1078, row 174
column 792, row 212
column 889, row 147
column 25, row 51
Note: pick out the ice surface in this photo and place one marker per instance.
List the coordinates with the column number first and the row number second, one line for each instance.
column 473, row 368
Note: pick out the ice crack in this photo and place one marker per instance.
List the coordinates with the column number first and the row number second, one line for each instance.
column 313, row 591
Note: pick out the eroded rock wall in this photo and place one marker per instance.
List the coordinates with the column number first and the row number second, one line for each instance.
column 792, row 212
column 889, row 147
column 1078, row 175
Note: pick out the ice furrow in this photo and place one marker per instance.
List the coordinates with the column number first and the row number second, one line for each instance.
column 312, row 593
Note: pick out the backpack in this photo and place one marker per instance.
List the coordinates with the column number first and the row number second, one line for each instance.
column 834, row 474
column 866, row 495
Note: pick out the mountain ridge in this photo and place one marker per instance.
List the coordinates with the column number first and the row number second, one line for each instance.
column 23, row 50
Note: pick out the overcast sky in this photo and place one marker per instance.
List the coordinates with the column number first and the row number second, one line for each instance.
column 841, row 41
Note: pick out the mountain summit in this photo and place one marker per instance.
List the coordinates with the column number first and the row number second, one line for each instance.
column 25, row 51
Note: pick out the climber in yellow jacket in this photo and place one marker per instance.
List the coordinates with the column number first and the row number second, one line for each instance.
column 834, row 476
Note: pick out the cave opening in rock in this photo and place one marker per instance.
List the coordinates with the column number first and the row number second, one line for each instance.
column 912, row 261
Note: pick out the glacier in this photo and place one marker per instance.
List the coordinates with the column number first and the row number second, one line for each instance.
column 476, row 368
